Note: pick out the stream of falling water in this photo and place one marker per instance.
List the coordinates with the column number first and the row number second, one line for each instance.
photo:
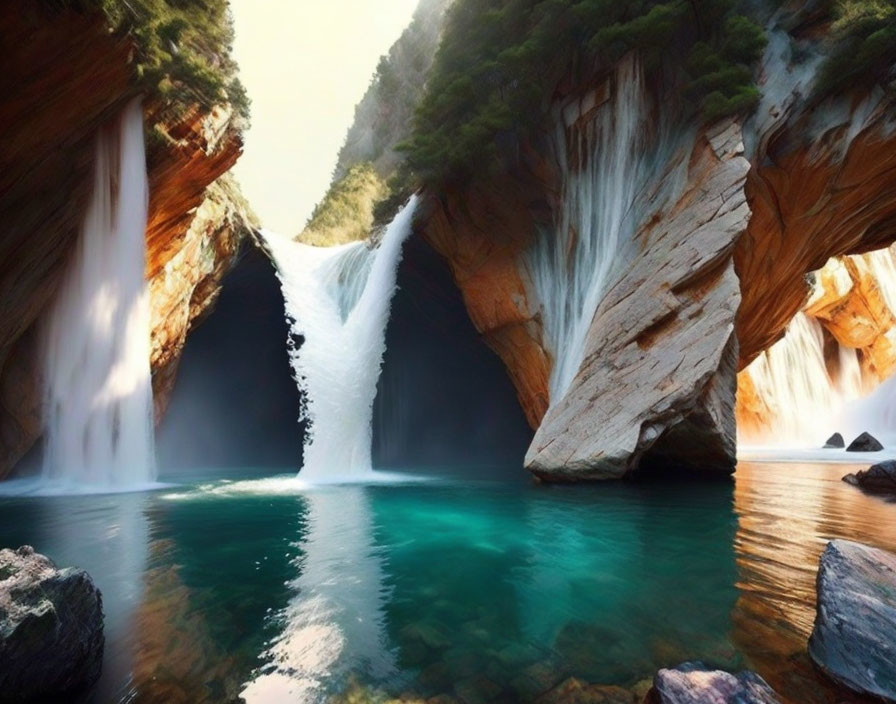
column 338, row 301
column 807, row 401
column 97, row 337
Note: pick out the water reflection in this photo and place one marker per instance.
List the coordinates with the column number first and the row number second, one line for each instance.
column 787, row 514
column 334, row 624
column 472, row 589
column 106, row 535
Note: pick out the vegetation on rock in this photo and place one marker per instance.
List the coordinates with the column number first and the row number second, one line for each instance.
column 863, row 45
column 183, row 48
column 500, row 62
column 346, row 212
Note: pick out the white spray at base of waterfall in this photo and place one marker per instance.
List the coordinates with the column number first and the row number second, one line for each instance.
column 98, row 390
column 338, row 301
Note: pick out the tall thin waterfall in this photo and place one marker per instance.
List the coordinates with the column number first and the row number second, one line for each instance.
column 338, row 300
column 97, row 374
column 572, row 267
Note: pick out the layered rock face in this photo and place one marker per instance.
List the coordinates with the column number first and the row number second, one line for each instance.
column 821, row 184
column 658, row 357
column 66, row 79
column 812, row 180
column 855, row 626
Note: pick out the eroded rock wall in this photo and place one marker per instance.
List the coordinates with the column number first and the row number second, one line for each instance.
column 64, row 77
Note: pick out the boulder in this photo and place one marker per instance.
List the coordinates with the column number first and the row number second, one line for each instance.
column 834, row 442
column 854, row 639
column 866, row 442
column 695, row 683
column 51, row 628
column 879, row 478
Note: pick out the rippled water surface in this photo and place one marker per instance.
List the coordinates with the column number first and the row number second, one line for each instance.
column 482, row 590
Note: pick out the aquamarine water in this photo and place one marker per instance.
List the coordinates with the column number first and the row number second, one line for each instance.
column 481, row 590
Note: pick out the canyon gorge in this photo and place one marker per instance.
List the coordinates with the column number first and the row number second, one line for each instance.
column 628, row 315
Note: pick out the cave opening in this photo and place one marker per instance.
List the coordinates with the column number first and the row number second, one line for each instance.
column 444, row 406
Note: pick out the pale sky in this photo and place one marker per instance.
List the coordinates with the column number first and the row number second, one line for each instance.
column 305, row 64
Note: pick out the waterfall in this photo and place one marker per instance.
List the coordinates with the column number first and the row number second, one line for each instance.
column 338, row 300
column 792, row 381
column 805, row 395
column 97, row 337
column 606, row 163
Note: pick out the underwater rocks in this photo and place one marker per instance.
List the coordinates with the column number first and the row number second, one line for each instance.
column 694, row 683
column 51, row 628
column 877, row 479
column 834, row 442
column 866, row 442
column 854, row 639
column 575, row 691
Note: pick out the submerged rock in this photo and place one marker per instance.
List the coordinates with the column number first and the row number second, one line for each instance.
column 866, row 442
column 854, row 639
column 878, row 478
column 575, row 691
column 695, row 683
column 834, row 442
column 51, row 628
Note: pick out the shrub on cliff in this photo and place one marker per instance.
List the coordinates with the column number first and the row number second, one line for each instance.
column 346, row 212
column 184, row 48
column 863, row 45
column 500, row 62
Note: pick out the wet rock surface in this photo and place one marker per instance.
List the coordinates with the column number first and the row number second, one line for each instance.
column 51, row 628
column 834, row 442
column 877, row 479
column 854, row 639
column 695, row 683
column 865, row 442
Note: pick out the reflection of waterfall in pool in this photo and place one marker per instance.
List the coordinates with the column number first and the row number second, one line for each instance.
column 335, row 623
column 97, row 373
column 338, row 300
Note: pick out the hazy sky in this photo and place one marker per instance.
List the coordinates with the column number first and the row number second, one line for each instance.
column 305, row 63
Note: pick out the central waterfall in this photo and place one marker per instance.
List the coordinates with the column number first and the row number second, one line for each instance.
column 97, row 338
column 338, row 301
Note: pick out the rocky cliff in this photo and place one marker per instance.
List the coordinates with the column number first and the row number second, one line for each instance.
column 698, row 240
column 66, row 76
column 812, row 179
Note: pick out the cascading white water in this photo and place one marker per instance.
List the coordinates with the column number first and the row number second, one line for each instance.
column 338, row 301
column 97, row 337
column 804, row 402
column 606, row 163
column 792, row 380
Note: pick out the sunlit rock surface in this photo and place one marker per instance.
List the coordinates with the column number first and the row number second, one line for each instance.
column 51, row 628
column 694, row 683
column 855, row 627
column 61, row 85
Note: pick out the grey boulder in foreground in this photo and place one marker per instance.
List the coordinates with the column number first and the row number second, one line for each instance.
column 51, row 628
column 694, row 683
column 854, row 639
column 878, row 478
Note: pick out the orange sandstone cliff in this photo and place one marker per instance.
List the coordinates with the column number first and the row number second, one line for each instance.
column 66, row 79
